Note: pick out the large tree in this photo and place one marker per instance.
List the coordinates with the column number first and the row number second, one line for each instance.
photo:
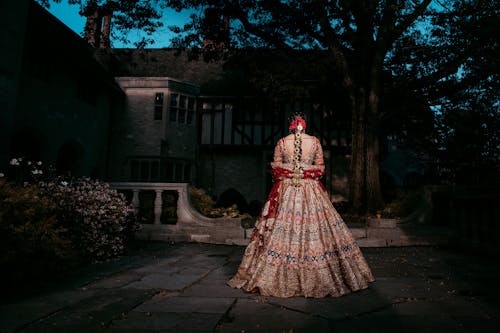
column 358, row 35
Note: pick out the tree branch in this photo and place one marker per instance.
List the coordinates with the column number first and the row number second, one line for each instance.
column 408, row 21
column 237, row 12
column 335, row 47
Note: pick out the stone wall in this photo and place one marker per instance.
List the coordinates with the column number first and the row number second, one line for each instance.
column 13, row 18
column 139, row 134
column 63, row 101
column 245, row 170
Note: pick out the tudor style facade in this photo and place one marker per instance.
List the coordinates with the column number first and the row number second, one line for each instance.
column 207, row 123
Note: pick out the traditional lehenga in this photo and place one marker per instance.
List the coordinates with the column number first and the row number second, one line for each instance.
column 300, row 246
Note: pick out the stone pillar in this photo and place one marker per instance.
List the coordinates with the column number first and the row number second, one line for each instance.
column 135, row 200
column 158, row 206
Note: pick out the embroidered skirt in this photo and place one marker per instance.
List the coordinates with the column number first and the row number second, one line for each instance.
column 300, row 245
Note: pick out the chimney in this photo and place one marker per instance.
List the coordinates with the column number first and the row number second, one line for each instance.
column 92, row 30
column 215, row 29
column 98, row 25
column 105, row 41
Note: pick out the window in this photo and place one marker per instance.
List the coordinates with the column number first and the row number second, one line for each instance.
column 182, row 109
column 157, row 169
column 173, row 107
column 190, row 111
column 158, row 109
column 216, row 123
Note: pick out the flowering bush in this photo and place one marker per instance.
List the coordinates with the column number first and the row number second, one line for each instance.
column 98, row 218
column 26, row 171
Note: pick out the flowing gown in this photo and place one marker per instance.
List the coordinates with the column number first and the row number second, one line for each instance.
column 300, row 246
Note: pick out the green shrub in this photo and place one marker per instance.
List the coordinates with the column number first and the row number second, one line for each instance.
column 32, row 241
column 403, row 204
column 203, row 203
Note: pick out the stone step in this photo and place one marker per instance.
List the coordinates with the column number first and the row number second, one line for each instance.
column 358, row 232
column 381, row 223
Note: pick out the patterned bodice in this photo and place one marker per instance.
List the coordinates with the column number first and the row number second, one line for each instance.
column 312, row 153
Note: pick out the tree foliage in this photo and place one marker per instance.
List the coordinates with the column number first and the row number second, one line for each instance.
column 358, row 37
column 455, row 67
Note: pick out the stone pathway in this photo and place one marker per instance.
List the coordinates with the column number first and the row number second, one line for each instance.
column 181, row 288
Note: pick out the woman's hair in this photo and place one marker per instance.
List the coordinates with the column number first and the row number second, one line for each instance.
column 295, row 119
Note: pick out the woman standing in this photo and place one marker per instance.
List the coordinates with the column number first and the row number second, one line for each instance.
column 300, row 245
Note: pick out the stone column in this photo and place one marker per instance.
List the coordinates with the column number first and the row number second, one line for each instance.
column 157, row 206
column 135, row 200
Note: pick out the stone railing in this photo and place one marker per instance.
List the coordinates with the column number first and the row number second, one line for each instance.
column 190, row 225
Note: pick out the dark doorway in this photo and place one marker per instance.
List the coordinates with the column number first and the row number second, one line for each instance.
column 69, row 158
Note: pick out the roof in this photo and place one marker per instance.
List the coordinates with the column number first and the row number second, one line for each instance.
column 232, row 72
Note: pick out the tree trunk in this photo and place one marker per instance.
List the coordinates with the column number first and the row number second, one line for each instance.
column 374, row 192
column 365, row 190
column 357, row 186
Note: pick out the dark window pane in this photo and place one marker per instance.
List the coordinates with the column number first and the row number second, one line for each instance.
column 159, row 98
column 155, row 170
column 158, row 110
column 173, row 99
column 182, row 102
column 144, row 170
column 206, row 121
column 173, row 114
column 182, row 116
column 170, row 171
column 134, row 170
column 190, row 117
column 178, row 172
column 191, row 103
column 187, row 173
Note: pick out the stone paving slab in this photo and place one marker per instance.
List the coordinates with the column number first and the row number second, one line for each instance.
column 356, row 304
column 117, row 280
column 165, row 281
column 166, row 322
column 182, row 288
column 20, row 314
column 161, row 303
column 94, row 312
column 256, row 315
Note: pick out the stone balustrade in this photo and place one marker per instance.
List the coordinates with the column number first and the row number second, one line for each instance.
column 190, row 225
